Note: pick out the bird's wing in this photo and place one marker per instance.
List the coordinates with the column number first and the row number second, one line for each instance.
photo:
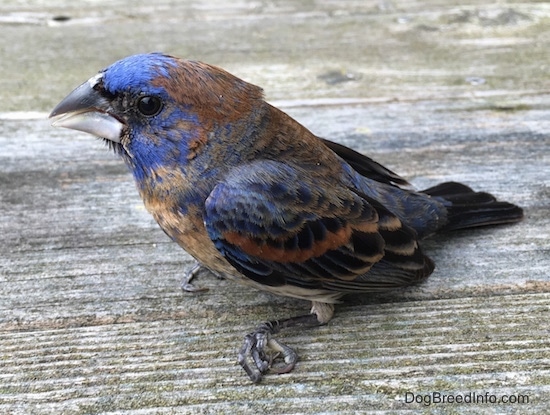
column 277, row 226
column 365, row 166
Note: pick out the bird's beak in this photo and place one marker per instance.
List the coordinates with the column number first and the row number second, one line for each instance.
column 85, row 109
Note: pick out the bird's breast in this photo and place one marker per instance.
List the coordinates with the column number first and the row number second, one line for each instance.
column 186, row 228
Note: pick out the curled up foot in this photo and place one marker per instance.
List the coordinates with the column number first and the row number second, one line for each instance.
column 260, row 350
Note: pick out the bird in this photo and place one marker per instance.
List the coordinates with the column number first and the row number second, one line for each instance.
column 257, row 198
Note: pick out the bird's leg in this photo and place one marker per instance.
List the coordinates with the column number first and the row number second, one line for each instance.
column 192, row 273
column 260, row 349
column 188, row 276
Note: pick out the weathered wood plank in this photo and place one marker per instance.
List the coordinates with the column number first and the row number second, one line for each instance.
column 91, row 316
column 452, row 345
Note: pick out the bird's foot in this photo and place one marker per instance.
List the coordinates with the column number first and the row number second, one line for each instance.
column 189, row 275
column 186, row 284
column 260, row 349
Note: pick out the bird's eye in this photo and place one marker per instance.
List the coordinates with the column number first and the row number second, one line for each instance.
column 149, row 106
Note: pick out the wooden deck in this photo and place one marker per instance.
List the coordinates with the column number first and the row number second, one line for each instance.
column 92, row 320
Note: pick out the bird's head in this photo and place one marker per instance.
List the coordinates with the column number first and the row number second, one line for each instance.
column 156, row 110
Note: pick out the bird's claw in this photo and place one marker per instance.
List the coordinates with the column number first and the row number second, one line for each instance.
column 186, row 284
column 189, row 275
column 260, row 350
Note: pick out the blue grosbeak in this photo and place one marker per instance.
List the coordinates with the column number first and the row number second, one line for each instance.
column 255, row 197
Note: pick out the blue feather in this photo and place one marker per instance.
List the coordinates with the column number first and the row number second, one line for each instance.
column 136, row 71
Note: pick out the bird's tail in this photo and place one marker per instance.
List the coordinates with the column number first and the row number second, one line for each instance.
column 467, row 208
